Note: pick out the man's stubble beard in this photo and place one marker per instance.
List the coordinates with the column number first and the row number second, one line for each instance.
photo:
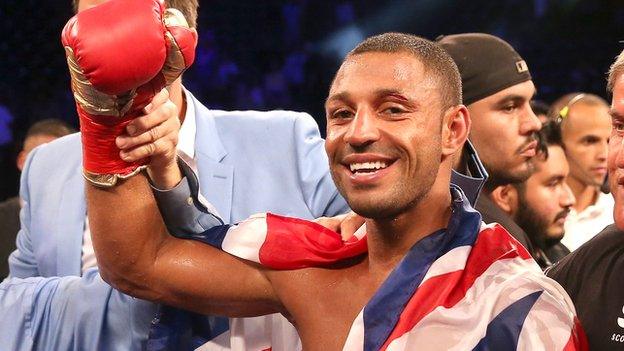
column 534, row 225
column 401, row 198
column 499, row 177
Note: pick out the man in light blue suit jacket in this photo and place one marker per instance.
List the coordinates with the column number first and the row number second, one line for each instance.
column 248, row 162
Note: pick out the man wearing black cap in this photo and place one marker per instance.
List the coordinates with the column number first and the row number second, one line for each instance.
column 497, row 89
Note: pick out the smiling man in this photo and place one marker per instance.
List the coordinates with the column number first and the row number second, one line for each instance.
column 424, row 272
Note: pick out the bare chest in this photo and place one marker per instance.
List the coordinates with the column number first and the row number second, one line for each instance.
column 324, row 303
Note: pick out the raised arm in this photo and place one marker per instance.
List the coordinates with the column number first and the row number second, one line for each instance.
column 113, row 83
column 137, row 256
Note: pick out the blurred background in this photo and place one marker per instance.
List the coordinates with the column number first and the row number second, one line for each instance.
column 271, row 54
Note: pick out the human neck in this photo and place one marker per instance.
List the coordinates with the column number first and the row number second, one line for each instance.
column 586, row 195
column 390, row 239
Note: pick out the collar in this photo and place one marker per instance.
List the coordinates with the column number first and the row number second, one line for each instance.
column 473, row 182
column 604, row 203
column 188, row 130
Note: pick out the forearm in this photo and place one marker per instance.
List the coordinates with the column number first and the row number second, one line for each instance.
column 137, row 256
column 127, row 232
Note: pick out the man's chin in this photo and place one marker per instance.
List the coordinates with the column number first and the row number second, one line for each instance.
column 554, row 237
column 375, row 210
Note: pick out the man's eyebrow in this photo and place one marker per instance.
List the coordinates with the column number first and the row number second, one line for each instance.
column 397, row 95
column 379, row 94
column 556, row 177
column 615, row 114
column 514, row 97
column 391, row 92
column 343, row 96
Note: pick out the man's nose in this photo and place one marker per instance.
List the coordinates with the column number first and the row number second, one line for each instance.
column 530, row 123
column 567, row 198
column 604, row 150
column 363, row 129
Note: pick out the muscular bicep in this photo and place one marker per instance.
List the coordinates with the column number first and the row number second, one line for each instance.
column 204, row 279
column 137, row 255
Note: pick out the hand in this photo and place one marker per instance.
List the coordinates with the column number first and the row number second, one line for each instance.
column 113, row 80
column 154, row 135
column 346, row 225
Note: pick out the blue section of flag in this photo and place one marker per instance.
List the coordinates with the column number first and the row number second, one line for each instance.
column 179, row 330
column 213, row 236
column 503, row 331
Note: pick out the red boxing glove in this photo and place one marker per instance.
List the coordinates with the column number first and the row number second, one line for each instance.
column 120, row 54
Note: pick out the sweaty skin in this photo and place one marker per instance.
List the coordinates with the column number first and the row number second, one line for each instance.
column 373, row 114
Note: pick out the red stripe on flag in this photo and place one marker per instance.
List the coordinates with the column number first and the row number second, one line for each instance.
column 578, row 339
column 446, row 290
column 293, row 243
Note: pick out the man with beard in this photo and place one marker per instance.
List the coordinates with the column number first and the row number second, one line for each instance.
column 585, row 127
column 497, row 89
column 541, row 204
column 594, row 272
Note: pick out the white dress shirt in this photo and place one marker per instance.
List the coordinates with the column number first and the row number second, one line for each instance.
column 584, row 225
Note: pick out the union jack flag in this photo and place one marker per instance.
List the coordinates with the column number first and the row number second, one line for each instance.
column 469, row 286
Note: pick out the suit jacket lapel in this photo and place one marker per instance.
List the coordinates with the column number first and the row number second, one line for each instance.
column 215, row 177
column 71, row 223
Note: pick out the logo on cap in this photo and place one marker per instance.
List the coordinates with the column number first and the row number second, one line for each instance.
column 521, row 66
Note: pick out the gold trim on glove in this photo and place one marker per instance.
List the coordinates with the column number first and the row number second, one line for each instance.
column 90, row 99
column 174, row 63
column 108, row 180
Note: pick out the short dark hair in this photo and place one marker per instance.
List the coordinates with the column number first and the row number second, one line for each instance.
column 539, row 107
column 435, row 59
column 51, row 126
column 549, row 135
column 187, row 7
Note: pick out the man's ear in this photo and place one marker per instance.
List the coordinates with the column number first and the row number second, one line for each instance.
column 506, row 198
column 455, row 129
column 21, row 159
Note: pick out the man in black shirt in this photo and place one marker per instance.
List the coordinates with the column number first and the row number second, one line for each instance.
column 593, row 275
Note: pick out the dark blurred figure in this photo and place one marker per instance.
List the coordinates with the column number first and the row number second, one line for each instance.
column 541, row 204
column 39, row 133
column 540, row 108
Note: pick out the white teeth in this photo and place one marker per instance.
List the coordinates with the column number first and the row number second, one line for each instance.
column 367, row 166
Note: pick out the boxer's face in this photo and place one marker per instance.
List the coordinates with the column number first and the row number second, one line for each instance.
column 615, row 161
column 85, row 4
column 383, row 132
